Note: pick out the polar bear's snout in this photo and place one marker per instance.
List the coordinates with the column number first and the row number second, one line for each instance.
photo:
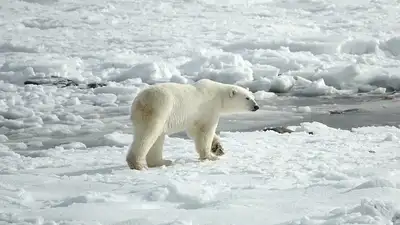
column 254, row 106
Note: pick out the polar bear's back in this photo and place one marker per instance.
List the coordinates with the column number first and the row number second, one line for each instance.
column 181, row 103
column 182, row 96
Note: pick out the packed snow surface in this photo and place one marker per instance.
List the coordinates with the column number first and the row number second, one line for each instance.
column 330, row 177
column 62, row 149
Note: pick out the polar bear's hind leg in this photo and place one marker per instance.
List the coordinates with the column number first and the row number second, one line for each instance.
column 143, row 140
column 155, row 156
column 148, row 122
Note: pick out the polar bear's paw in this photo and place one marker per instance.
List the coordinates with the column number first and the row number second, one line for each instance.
column 136, row 165
column 209, row 157
column 164, row 162
column 217, row 148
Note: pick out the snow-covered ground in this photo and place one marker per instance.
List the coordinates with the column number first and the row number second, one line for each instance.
column 331, row 177
column 62, row 149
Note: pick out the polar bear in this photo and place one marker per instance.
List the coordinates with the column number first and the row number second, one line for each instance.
column 167, row 108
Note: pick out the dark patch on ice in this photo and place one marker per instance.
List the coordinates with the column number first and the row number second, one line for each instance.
column 396, row 218
column 53, row 80
column 72, row 200
column 33, row 154
column 42, row 23
column 281, row 130
column 71, row 9
column 60, row 82
column 95, row 85
column 388, row 97
column 373, row 111
column 345, row 111
column 196, row 205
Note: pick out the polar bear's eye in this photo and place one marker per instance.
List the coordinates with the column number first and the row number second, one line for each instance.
column 247, row 98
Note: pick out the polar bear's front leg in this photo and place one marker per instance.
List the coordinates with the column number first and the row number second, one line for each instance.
column 203, row 135
column 216, row 146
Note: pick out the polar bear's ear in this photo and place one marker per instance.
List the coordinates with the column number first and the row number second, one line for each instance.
column 232, row 93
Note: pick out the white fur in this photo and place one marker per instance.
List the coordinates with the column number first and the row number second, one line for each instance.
column 168, row 108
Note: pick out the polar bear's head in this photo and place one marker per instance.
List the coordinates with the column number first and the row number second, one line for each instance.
column 239, row 100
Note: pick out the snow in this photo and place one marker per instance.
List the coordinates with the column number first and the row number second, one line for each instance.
column 303, row 109
column 230, row 41
column 225, row 68
column 62, row 149
column 282, row 84
column 263, row 95
column 317, row 88
column 149, row 73
column 392, row 45
column 264, row 177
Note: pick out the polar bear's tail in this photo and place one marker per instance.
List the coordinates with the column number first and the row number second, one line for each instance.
column 134, row 107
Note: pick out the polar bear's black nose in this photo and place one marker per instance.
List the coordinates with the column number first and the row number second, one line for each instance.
column 256, row 107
